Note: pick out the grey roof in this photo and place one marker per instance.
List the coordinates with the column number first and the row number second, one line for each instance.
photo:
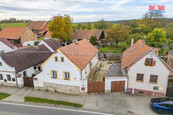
column 171, row 52
column 54, row 44
column 115, row 70
column 24, row 58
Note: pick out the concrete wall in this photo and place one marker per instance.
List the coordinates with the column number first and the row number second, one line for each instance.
column 108, row 81
column 159, row 69
column 30, row 71
column 38, row 81
column 28, row 35
column 4, row 48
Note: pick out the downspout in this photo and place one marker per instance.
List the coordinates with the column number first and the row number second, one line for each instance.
column 16, row 80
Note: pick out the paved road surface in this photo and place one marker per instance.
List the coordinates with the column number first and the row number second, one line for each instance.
column 26, row 109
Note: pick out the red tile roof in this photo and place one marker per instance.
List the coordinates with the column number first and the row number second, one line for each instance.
column 12, row 32
column 36, row 25
column 6, row 42
column 47, row 35
column 87, row 34
column 134, row 52
column 80, row 53
column 44, row 29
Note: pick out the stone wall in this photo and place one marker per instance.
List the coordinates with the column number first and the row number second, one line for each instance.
column 62, row 88
column 28, row 35
column 110, row 56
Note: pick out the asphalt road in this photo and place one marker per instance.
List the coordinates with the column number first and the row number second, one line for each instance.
column 27, row 109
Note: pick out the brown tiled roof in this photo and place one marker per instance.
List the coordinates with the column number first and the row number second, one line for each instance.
column 80, row 53
column 47, row 35
column 12, row 32
column 44, row 29
column 87, row 34
column 134, row 52
column 6, row 42
column 36, row 25
column 26, row 57
column 54, row 44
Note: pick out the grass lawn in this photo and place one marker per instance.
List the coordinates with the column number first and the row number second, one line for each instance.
column 114, row 49
column 40, row 100
column 13, row 25
column 3, row 96
column 41, row 38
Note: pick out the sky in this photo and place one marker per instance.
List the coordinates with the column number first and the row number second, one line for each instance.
column 80, row 10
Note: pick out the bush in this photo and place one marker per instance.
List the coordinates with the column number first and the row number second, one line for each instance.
column 93, row 40
column 36, row 43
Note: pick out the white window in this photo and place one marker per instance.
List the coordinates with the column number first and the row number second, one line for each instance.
column 67, row 75
column 54, row 74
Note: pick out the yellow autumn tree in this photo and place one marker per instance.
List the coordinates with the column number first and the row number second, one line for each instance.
column 61, row 27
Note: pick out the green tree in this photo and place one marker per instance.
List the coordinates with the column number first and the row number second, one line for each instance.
column 74, row 28
column 157, row 37
column 136, row 37
column 102, row 24
column 83, row 26
column 169, row 31
column 78, row 26
column 89, row 26
column 93, row 40
column 61, row 27
column 117, row 33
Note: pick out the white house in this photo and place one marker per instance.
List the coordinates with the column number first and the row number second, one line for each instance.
column 6, row 46
column 67, row 69
column 17, row 68
column 147, row 72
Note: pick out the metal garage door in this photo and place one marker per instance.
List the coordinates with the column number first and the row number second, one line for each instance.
column 117, row 86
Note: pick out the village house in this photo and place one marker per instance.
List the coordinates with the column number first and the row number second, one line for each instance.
column 147, row 73
column 170, row 59
column 18, row 35
column 68, row 68
column 38, row 27
column 17, row 68
column 87, row 34
column 6, row 46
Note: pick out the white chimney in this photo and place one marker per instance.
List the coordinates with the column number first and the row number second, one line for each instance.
column 132, row 42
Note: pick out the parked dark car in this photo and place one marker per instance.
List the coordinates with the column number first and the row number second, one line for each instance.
column 162, row 105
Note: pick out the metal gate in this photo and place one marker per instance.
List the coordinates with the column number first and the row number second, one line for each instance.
column 117, row 86
column 96, row 87
column 28, row 81
column 169, row 92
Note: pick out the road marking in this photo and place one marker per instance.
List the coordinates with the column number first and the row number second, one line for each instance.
column 74, row 110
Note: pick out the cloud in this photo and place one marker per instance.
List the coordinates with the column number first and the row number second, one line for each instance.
column 80, row 10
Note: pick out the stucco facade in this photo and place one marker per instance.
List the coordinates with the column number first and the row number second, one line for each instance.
column 4, row 48
column 78, row 78
column 146, row 86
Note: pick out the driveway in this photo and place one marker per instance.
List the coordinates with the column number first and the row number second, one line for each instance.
column 118, row 103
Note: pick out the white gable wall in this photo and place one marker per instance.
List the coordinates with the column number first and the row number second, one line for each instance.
column 4, row 48
column 159, row 69
column 7, row 70
column 67, row 66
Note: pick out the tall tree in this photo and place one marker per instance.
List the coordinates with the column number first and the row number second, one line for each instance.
column 93, row 40
column 117, row 33
column 78, row 26
column 61, row 27
column 102, row 24
column 89, row 26
column 169, row 31
column 83, row 26
column 157, row 37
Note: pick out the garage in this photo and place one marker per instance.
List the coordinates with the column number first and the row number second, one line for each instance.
column 117, row 86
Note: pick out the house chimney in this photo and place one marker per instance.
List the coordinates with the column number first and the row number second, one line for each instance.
column 132, row 42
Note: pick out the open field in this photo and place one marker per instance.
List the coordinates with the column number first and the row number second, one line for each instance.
column 12, row 25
